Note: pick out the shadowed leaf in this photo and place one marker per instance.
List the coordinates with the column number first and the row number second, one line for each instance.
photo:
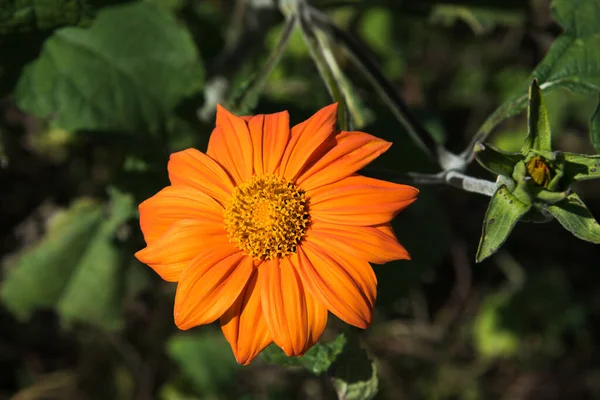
column 495, row 160
column 77, row 267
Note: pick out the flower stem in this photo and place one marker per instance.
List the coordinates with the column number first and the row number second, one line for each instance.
column 471, row 184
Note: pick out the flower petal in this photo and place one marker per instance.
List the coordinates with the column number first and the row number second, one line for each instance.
column 195, row 169
column 359, row 201
column 294, row 319
column 351, row 152
column 244, row 326
column 170, row 254
column 305, row 139
column 175, row 203
column 270, row 135
column 363, row 242
column 345, row 286
column 230, row 145
column 209, row 286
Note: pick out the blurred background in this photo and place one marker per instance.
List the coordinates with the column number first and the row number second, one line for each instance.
column 94, row 95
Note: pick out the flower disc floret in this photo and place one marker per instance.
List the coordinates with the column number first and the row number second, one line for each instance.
column 267, row 217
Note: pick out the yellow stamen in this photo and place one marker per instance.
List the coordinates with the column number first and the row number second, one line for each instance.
column 539, row 171
column 266, row 217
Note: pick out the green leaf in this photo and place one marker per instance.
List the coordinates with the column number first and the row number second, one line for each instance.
column 205, row 360
column 126, row 73
column 572, row 62
column 495, row 160
column 317, row 360
column 539, row 135
column 354, row 374
column 29, row 15
column 503, row 213
column 595, row 128
column 77, row 267
column 581, row 167
column 574, row 216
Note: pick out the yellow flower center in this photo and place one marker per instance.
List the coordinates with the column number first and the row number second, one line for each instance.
column 267, row 217
column 539, row 171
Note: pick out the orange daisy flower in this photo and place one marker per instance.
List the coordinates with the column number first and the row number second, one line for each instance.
column 272, row 228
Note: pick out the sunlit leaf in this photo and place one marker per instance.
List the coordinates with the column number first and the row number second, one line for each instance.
column 581, row 167
column 538, row 133
column 78, row 267
column 503, row 213
column 574, row 216
column 126, row 73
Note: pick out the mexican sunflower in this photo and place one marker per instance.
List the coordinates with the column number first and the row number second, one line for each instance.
column 272, row 228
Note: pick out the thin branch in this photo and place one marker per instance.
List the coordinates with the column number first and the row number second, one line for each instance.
column 364, row 61
column 257, row 84
column 323, row 59
column 452, row 178
column 470, row 184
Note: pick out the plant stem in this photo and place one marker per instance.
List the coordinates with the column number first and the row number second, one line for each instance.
column 471, row 184
column 258, row 82
column 390, row 95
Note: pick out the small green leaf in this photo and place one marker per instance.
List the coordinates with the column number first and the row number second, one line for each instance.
column 503, row 213
column 495, row 160
column 317, row 360
column 538, row 135
column 354, row 374
column 581, row 167
column 575, row 217
column 205, row 360
column 595, row 128
column 77, row 267
column 126, row 73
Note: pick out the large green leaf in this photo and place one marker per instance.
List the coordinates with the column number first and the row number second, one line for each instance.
column 573, row 61
column 126, row 73
column 78, row 267
column 29, row 15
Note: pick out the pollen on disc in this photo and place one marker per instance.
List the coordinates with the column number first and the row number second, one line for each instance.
column 267, row 217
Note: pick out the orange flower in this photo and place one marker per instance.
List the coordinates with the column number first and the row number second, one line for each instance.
column 272, row 228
